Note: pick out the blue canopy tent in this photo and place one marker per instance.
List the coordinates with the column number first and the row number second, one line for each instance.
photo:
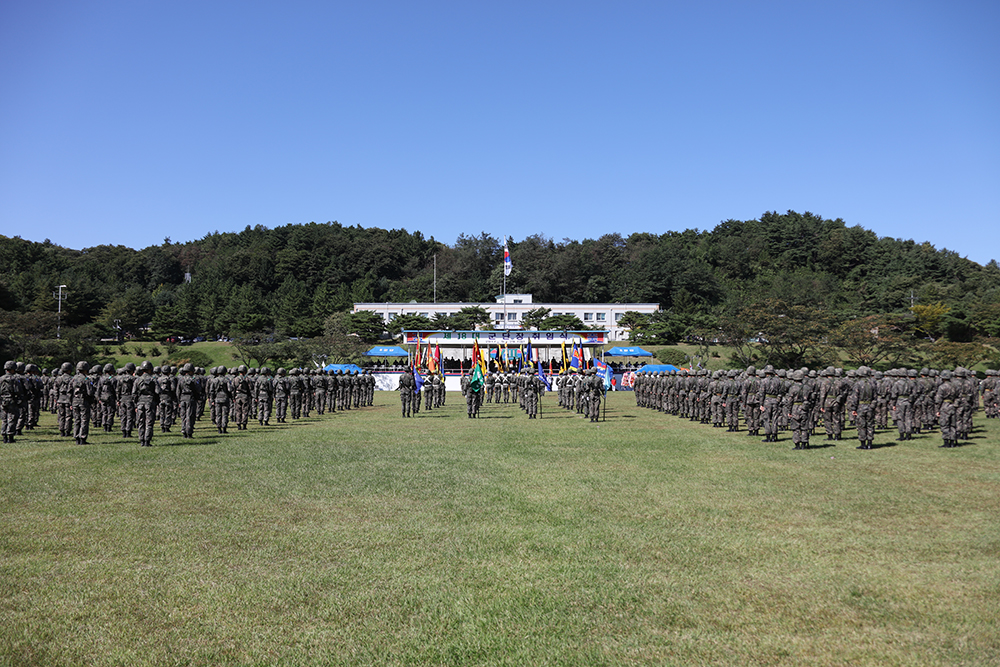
column 656, row 368
column 628, row 352
column 387, row 351
column 347, row 368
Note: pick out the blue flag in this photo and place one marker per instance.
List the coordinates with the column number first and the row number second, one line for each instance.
column 418, row 380
column 548, row 385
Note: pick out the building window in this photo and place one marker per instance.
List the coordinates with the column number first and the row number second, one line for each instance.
column 518, row 300
column 618, row 317
column 498, row 316
column 588, row 317
column 512, row 316
column 601, row 317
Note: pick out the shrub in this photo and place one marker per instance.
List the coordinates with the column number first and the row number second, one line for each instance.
column 195, row 357
column 671, row 355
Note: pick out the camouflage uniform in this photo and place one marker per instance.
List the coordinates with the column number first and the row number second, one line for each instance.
column 945, row 399
column 798, row 405
column 82, row 392
column 126, row 402
column 188, row 393
column 901, row 398
column 145, row 395
column 861, row 403
column 243, row 392
column 406, row 388
column 263, row 391
column 64, row 400
column 11, row 391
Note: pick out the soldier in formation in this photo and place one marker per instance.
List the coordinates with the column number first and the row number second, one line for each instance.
column 188, row 394
column 776, row 400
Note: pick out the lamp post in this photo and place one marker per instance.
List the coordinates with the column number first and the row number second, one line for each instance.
column 59, row 312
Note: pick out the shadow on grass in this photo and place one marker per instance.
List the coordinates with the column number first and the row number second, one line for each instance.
column 883, row 445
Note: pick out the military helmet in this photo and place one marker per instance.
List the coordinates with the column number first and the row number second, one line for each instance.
column 19, row 366
column 281, row 371
column 130, row 367
column 81, row 366
column 31, row 368
column 10, row 365
column 798, row 375
column 109, row 368
column 187, row 368
column 146, row 367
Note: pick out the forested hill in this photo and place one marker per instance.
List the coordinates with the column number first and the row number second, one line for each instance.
column 291, row 278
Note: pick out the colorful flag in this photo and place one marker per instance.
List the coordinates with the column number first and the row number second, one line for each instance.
column 531, row 357
column 507, row 266
column 477, row 357
column 565, row 358
column 605, row 372
column 575, row 358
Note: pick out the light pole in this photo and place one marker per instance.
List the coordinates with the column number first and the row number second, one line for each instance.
column 59, row 312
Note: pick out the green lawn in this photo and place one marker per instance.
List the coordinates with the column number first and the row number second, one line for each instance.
column 218, row 353
column 363, row 538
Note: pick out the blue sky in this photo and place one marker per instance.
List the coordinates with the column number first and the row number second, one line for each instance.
column 125, row 122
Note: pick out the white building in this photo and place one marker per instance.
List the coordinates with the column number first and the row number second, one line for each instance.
column 507, row 312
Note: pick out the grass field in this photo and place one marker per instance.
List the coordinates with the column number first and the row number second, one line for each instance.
column 218, row 353
column 363, row 538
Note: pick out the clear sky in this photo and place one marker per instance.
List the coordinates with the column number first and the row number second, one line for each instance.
column 128, row 121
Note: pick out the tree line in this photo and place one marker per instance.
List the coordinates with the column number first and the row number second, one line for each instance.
column 740, row 283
